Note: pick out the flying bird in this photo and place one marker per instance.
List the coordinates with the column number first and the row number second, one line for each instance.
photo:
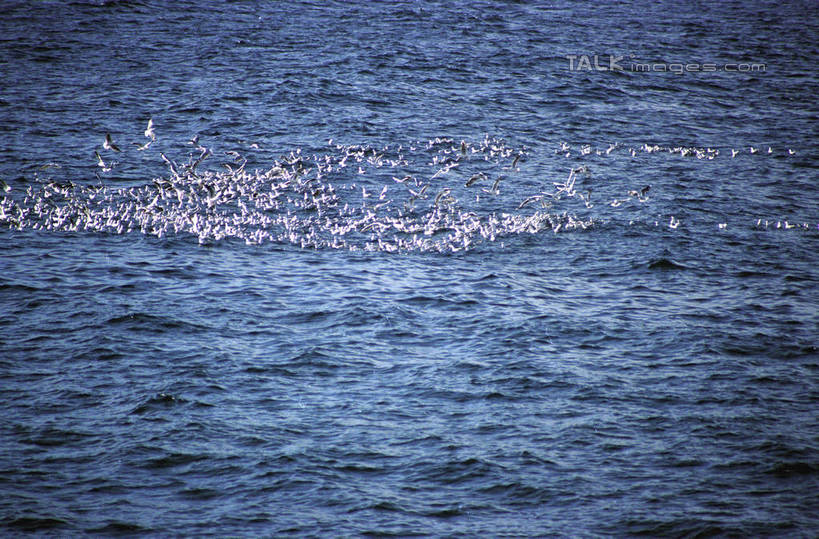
column 149, row 131
column 475, row 178
column 109, row 144
column 101, row 163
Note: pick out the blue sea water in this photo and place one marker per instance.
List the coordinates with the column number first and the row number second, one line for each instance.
column 269, row 330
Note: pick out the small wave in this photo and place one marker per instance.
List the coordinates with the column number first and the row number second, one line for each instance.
column 173, row 460
column 794, row 469
column 117, row 527
column 33, row 524
column 666, row 264
column 145, row 322
column 18, row 287
column 158, row 402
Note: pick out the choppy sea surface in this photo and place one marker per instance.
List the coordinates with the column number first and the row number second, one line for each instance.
column 409, row 268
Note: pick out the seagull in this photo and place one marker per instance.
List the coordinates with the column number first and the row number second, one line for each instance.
column 149, row 131
column 491, row 191
column 109, row 144
column 734, row 153
column 674, row 222
column 753, row 150
column 170, row 164
column 420, row 193
column 641, row 194
column 532, row 198
column 474, row 178
column 586, row 199
column 101, row 163
column 444, row 192
column 205, row 153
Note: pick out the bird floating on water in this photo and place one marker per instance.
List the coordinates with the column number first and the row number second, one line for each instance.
column 641, row 194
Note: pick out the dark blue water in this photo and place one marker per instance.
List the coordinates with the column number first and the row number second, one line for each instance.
column 272, row 330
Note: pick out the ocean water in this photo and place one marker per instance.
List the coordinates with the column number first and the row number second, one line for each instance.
column 409, row 268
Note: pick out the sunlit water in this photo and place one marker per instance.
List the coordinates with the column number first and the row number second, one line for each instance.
column 400, row 269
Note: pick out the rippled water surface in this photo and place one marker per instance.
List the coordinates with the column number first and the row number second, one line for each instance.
column 409, row 268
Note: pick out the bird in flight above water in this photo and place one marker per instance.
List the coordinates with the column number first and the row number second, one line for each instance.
column 109, row 144
column 149, row 131
column 101, row 163
column 475, row 178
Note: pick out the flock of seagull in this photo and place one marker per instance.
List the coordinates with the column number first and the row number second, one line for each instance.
column 684, row 151
column 437, row 195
